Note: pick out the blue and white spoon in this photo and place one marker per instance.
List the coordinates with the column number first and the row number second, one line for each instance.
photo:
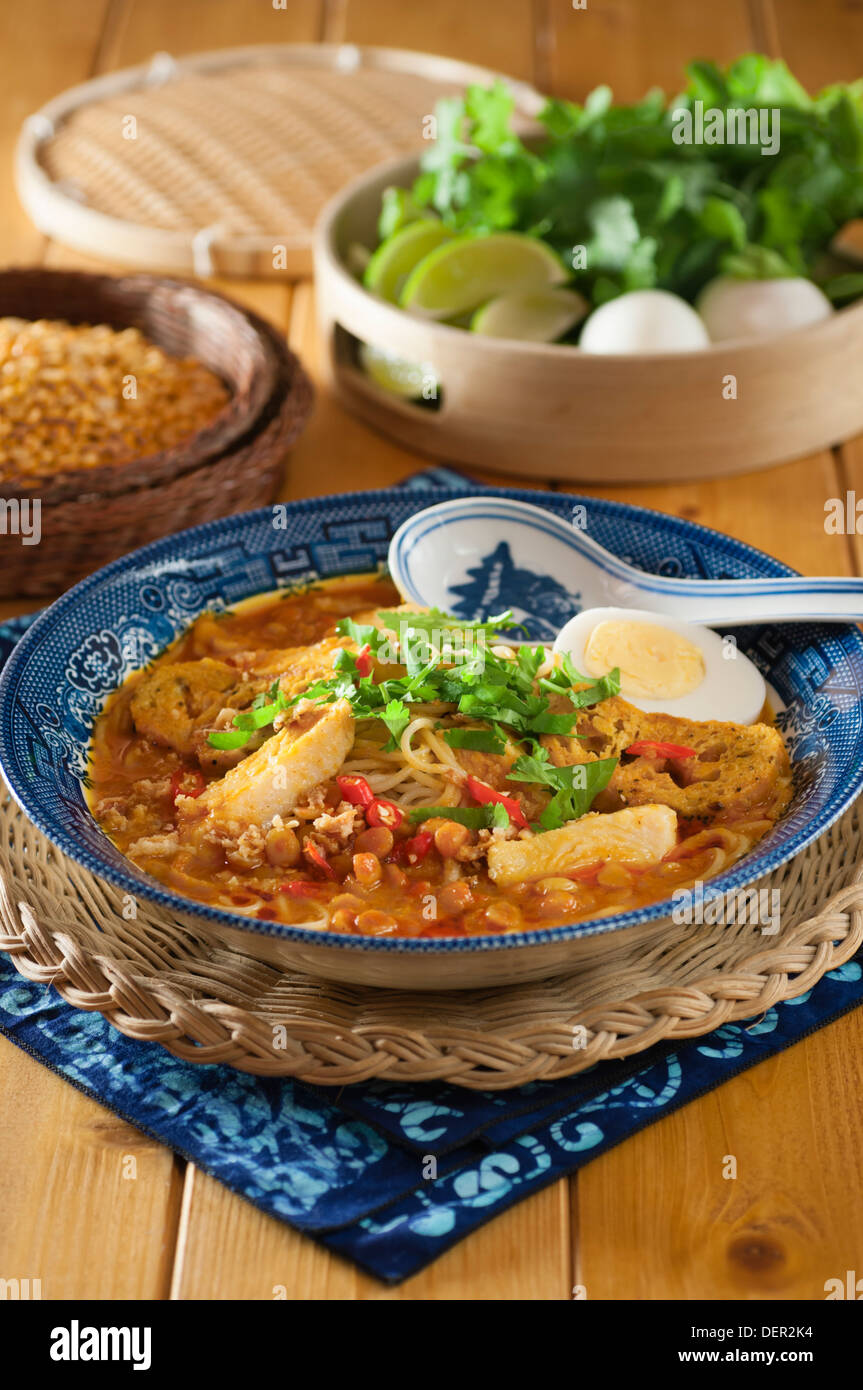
column 452, row 555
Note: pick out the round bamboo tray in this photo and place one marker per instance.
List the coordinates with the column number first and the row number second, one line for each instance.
column 543, row 410
column 91, row 516
column 220, row 163
column 158, row 981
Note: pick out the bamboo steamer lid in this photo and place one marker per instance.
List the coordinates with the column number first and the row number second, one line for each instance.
column 220, row 163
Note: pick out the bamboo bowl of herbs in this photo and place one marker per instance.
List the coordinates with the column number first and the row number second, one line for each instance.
column 609, row 300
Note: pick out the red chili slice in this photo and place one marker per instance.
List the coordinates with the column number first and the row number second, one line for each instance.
column 486, row 795
column 647, row 748
column 414, row 850
column 314, row 854
column 387, row 813
column 182, row 775
column 364, row 661
column 356, row 790
column 301, row 888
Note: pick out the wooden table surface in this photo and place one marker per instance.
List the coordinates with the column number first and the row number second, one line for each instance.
column 654, row 1218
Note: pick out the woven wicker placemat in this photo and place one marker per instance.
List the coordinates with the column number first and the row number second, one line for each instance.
column 158, row 981
column 209, row 163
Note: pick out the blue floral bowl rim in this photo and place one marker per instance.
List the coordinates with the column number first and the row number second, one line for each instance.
column 738, row 877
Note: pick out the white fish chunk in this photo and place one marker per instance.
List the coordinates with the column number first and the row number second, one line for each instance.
column 273, row 779
column 635, row 835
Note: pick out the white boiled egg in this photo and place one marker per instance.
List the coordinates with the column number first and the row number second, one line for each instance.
column 760, row 308
column 666, row 666
column 644, row 321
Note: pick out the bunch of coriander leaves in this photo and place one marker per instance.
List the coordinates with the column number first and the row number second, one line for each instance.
column 506, row 696
column 649, row 211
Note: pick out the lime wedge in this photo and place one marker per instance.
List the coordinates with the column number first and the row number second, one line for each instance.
column 470, row 270
column 396, row 257
column 536, row 316
column 412, row 380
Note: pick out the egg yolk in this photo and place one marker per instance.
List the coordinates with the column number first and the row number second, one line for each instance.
column 654, row 662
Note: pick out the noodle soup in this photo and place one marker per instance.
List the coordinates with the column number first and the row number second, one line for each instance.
column 325, row 758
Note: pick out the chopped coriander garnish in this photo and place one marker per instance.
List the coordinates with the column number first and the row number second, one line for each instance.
column 435, row 620
column 574, row 787
column 562, row 678
column 364, row 634
column 500, row 692
column 601, row 689
column 614, row 181
column 396, row 716
column 477, row 740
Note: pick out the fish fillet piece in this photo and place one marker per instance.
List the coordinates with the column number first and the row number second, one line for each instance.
column 272, row 780
column 635, row 835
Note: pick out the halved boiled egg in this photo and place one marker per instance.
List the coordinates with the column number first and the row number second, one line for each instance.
column 666, row 666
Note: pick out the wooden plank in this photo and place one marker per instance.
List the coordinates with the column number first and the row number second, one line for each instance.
column 54, row 46
column 632, row 46
column 337, row 453
column 820, row 44
column 65, row 1143
column 836, row 57
column 851, row 482
column 66, row 1163
column 649, row 1195
column 749, row 508
column 232, row 1250
column 62, row 1156
column 195, row 26
column 11, row 607
column 623, row 1202
column 658, row 1220
column 495, row 33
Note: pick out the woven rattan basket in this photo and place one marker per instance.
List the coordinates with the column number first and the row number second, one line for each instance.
column 91, row 516
column 157, row 981
column 185, row 320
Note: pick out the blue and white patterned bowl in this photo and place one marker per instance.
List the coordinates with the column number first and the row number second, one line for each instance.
column 59, row 675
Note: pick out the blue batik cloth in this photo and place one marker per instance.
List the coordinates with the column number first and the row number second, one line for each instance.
column 391, row 1175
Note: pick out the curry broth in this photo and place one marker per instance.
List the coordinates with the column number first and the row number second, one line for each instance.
column 136, row 780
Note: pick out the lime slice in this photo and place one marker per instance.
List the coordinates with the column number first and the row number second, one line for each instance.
column 396, row 257
column 470, row 270
column 412, row 380
column 536, row 316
